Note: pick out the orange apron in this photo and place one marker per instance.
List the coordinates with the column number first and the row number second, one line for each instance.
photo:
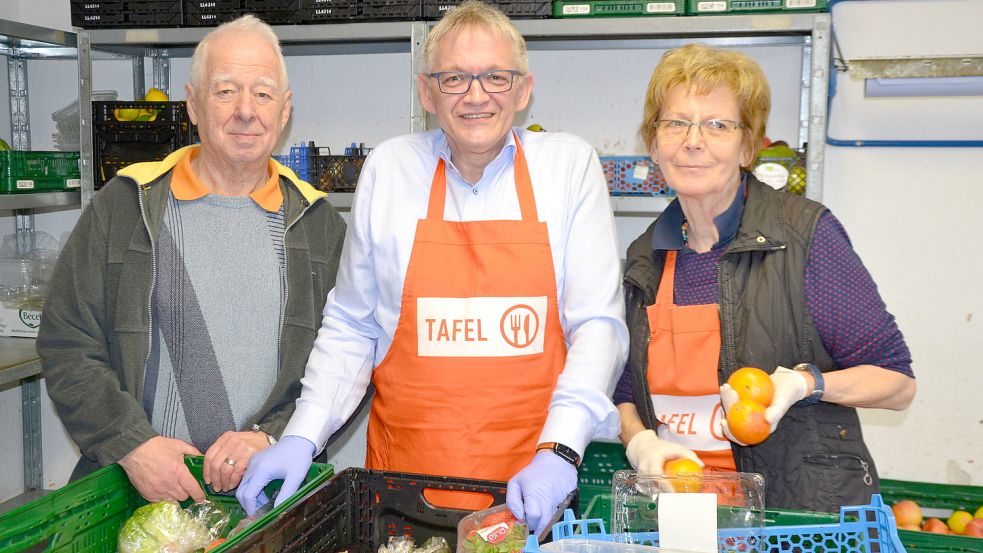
column 466, row 385
column 683, row 357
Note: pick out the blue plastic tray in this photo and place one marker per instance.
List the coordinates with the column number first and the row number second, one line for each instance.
column 861, row 529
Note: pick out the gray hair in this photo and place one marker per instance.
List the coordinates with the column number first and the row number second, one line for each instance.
column 246, row 24
column 473, row 13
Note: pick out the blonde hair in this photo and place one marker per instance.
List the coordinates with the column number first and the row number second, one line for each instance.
column 246, row 24
column 473, row 13
column 705, row 68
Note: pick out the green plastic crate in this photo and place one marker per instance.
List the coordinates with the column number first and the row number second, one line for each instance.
column 87, row 515
column 601, row 461
column 942, row 498
column 617, row 8
column 711, row 7
column 34, row 171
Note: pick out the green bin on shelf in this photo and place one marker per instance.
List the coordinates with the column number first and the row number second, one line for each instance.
column 940, row 498
column 87, row 515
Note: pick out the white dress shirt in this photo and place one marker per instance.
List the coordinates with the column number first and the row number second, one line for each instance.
column 362, row 311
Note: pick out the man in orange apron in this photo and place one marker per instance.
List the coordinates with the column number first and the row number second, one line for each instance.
column 479, row 291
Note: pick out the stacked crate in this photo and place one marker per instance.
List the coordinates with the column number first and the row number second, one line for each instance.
column 99, row 14
column 198, row 13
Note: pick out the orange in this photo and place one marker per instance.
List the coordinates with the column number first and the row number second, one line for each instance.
column 753, row 384
column 746, row 420
column 686, row 474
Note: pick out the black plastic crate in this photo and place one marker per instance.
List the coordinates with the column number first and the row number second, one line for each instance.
column 526, row 10
column 117, row 144
column 96, row 6
column 337, row 173
column 271, row 5
column 153, row 6
column 154, row 19
column 206, row 19
column 359, row 509
column 213, row 6
column 400, row 10
column 98, row 20
column 327, row 13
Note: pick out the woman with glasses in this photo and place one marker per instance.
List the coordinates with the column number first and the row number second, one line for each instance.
column 736, row 274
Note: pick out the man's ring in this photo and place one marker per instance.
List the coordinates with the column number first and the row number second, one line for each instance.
column 230, row 461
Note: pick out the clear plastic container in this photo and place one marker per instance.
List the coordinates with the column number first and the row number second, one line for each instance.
column 714, row 511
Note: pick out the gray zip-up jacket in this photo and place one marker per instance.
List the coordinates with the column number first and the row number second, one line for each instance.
column 816, row 459
column 95, row 333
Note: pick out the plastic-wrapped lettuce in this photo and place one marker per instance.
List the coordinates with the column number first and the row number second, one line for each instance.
column 163, row 526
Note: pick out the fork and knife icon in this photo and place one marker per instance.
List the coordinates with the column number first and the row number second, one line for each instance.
column 519, row 322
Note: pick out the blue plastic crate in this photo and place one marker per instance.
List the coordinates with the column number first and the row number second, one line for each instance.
column 861, row 529
column 298, row 160
column 634, row 176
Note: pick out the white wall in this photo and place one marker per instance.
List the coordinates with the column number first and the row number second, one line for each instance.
column 933, row 286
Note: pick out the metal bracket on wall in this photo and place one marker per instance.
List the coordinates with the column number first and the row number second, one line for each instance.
column 914, row 67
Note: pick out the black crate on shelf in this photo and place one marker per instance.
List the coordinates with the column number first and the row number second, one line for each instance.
column 435, row 9
column 128, row 13
column 213, row 6
column 526, row 10
column 359, row 509
column 207, row 19
column 117, row 143
column 327, row 11
column 391, row 10
column 337, row 173
column 153, row 6
column 274, row 12
column 80, row 7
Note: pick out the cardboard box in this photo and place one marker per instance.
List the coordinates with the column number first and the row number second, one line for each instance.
column 21, row 321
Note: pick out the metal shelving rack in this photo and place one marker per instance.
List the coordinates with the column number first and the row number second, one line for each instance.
column 22, row 45
column 809, row 30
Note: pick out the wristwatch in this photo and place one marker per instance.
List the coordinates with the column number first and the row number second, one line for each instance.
column 566, row 453
column 817, row 392
column 269, row 437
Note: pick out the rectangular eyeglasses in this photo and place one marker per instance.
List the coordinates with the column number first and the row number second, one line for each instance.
column 459, row 82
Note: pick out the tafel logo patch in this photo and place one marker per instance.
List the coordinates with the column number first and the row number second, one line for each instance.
column 480, row 327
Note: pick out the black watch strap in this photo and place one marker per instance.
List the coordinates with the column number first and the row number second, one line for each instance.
column 566, row 453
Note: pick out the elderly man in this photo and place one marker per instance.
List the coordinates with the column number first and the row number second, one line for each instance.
column 479, row 291
column 185, row 303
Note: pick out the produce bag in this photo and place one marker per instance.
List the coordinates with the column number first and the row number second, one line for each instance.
column 165, row 527
column 494, row 530
column 405, row 544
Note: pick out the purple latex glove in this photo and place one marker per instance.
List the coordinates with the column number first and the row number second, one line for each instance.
column 539, row 489
column 289, row 460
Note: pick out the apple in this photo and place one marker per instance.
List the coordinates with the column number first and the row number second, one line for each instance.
column 936, row 526
column 912, row 527
column 957, row 522
column 974, row 528
column 907, row 513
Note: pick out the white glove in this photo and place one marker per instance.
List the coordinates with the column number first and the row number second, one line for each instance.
column 648, row 454
column 790, row 387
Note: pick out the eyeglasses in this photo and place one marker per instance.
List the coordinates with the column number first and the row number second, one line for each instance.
column 459, row 82
column 678, row 129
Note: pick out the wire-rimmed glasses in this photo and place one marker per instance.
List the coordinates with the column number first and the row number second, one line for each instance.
column 678, row 129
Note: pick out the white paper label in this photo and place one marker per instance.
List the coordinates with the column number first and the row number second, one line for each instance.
column 640, row 172
column 660, row 7
column 711, row 6
column 25, row 185
column 688, row 522
column 800, row 4
column 576, row 9
column 73, row 183
column 774, row 175
column 480, row 327
column 691, row 421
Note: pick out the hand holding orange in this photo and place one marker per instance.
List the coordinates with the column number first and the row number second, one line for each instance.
column 746, row 417
column 687, row 472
